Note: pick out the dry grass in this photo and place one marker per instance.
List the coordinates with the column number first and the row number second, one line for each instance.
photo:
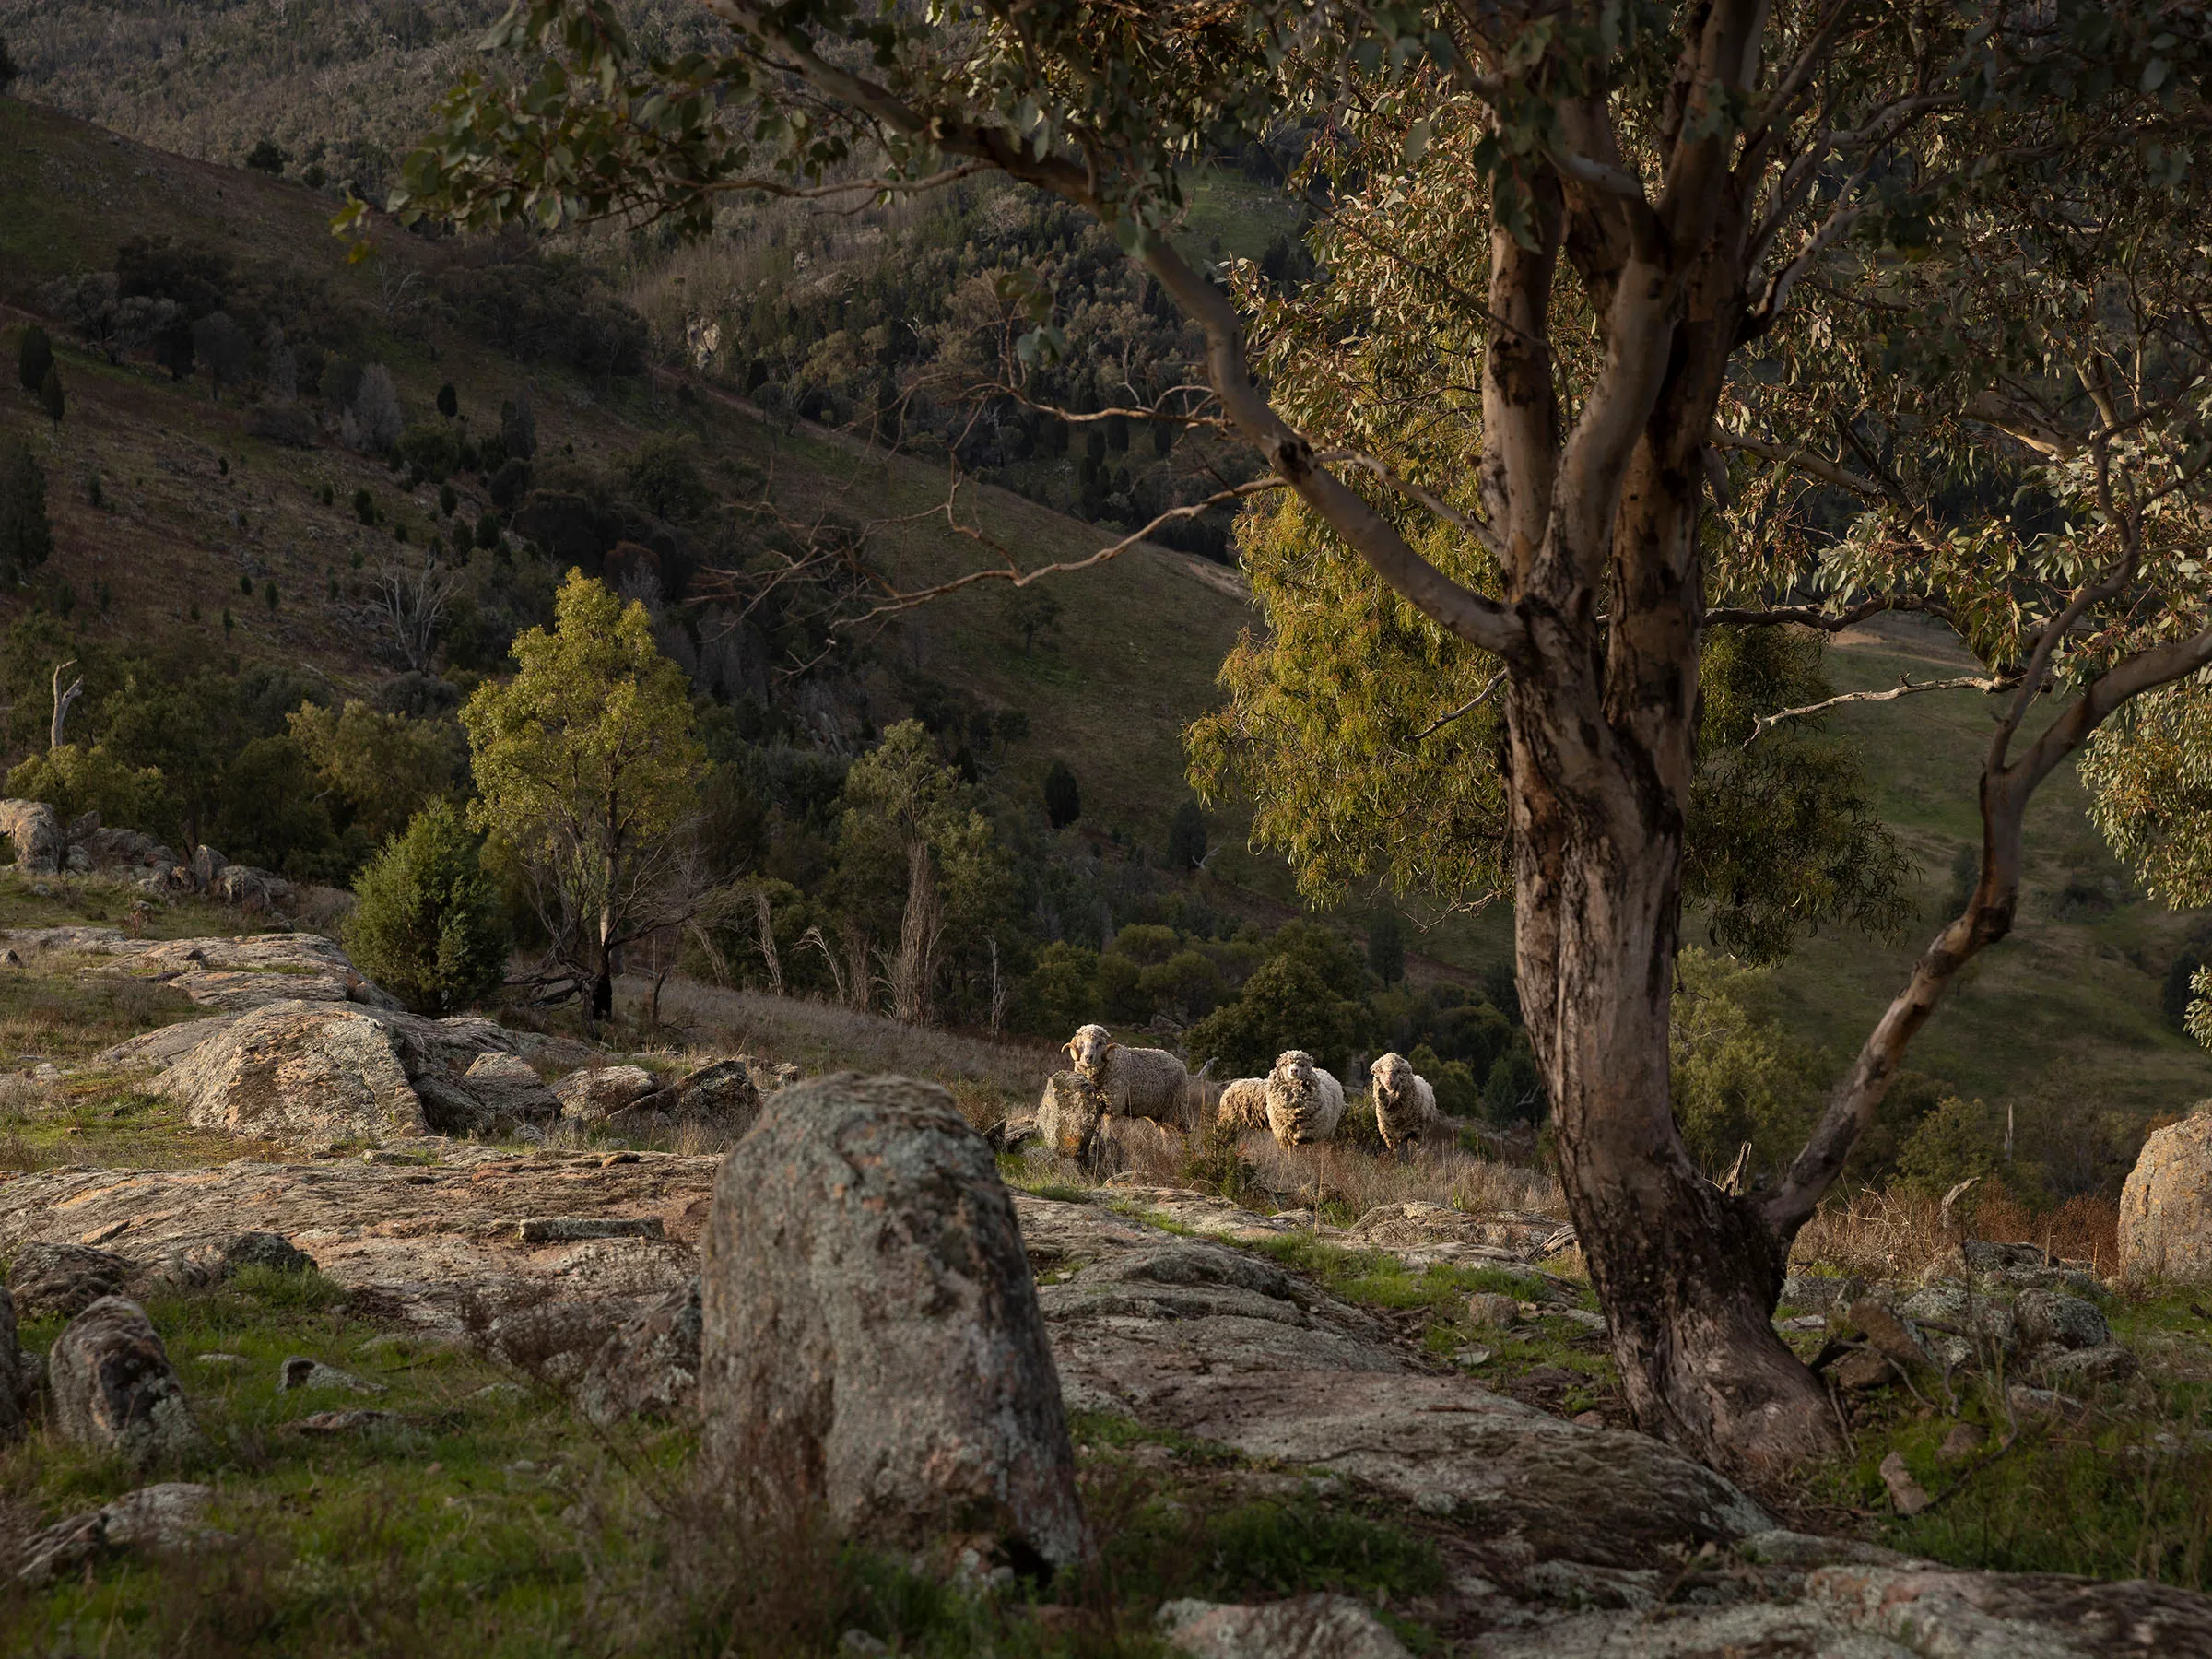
column 1346, row 1182
column 820, row 1037
column 1900, row 1235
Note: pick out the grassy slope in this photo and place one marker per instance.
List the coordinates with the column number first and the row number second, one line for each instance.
column 1140, row 642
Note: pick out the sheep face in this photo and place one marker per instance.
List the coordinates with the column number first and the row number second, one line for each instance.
column 1295, row 1063
column 1391, row 1073
column 1087, row 1049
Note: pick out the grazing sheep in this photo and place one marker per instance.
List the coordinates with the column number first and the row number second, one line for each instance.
column 1304, row 1102
column 1136, row 1082
column 1404, row 1104
column 1244, row 1104
column 1067, row 1118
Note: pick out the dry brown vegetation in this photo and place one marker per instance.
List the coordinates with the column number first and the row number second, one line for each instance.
column 1900, row 1234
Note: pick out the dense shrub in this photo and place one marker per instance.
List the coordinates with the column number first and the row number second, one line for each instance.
column 26, row 534
column 1287, row 1005
column 1063, row 797
column 429, row 927
column 550, row 309
column 76, row 780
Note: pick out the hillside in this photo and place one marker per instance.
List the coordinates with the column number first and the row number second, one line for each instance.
column 2073, row 1001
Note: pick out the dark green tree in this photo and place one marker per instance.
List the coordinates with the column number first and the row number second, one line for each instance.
column 429, row 927
column 1285, row 1005
column 1063, row 798
column 34, row 356
column 449, row 400
column 50, row 394
column 1186, row 837
column 265, row 156
column 7, row 69
column 1386, row 945
column 26, row 534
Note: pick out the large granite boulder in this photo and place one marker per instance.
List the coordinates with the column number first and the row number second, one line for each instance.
column 154, row 1518
column 2166, row 1207
column 113, row 1388
column 870, row 1335
column 36, row 835
column 596, row 1093
column 316, row 1073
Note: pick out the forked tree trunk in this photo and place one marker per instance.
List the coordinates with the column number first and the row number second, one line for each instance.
column 1688, row 1273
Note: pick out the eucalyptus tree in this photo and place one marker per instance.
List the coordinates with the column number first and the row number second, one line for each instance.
column 1640, row 327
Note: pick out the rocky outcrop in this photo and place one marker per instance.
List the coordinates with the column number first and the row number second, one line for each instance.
column 60, row 1281
column 36, row 835
column 112, row 1386
column 870, row 1335
column 596, row 1092
column 318, row 1073
column 426, row 1240
column 2166, row 1206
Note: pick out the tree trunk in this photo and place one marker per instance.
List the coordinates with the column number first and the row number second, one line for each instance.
column 1688, row 1275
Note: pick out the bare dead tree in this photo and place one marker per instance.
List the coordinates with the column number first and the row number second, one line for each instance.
column 768, row 942
column 63, row 701
column 414, row 603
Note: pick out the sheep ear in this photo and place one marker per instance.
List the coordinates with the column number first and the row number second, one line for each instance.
column 1112, row 1046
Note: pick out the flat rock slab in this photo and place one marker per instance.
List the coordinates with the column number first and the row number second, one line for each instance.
column 422, row 1239
column 562, row 1230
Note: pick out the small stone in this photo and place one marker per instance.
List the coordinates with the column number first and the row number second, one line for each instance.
column 1434, row 1501
column 2041, row 1402
column 1906, row 1494
column 860, row 1642
column 1470, row 1357
column 612, row 1158
column 300, row 1371
column 1590, row 1419
column 113, row 1388
column 595, row 1093
column 1818, row 1290
column 220, row 1359
column 1803, row 1322
column 1963, row 1440
column 1487, row 1310
column 1889, row 1334
column 351, row 1420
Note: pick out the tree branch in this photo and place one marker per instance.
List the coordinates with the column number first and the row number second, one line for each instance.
column 1966, row 682
column 1474, row 702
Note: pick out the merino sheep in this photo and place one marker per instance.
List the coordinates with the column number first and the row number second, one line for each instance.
column 1405, row 1103
column 1304, row 1102
column 1067, row 1118
column 1244, row 1104
column 1136, row 1082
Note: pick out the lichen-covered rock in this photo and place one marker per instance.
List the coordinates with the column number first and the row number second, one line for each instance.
column 870, row 1335
column 649, row 1367
column 2053, row 1319
column 36, row 834
column 112, row 1386
column 60, row 1281
column 1980, row 1326
column 165, row 1516
column 2084, row 1366
column 2166, row 1206
column 1302, row 1627
column 599, row 1092
column 265, row 1250
column 1068, row 1117
column 316, row 1073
